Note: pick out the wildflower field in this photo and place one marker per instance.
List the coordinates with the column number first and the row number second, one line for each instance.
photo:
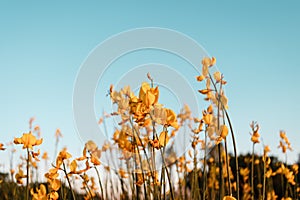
column 141, row 160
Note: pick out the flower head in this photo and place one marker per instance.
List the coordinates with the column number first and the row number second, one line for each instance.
column 1, row 147
column 28, row 140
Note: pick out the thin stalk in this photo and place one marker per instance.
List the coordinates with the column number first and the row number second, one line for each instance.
column 89, row 191
column 235, row 156
column 204, row 165
column 252, row 173
column 264, row 178
column 227, row 168
column 195, row 179
column 233, row 142
column 27, row 177
column 100, row 183
column 167, row 172
column 287, row 183
column 69, row 183
column 219, row 147
column 163, row 178
column 143, row 147
column 140, row 159
column 221, row 180
column 259, row 180
column 179, row 182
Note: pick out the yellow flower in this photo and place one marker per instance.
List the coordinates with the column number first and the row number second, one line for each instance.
column 41, row 193
column 228, row 198
column 209, row 62
column 122, row 173
column 45, row 156
column 295, row 168
column 53, row 195
column 73, row 166
column 52, row 174
column 55, row 184
column 200, row 78
column 58, row 133
column 91, row 146
column 19, row 176
column 159, row 114
column 35, row 155
column 171, row 119
column 223, row 132
column 62, row 156
column 1, row 147
column 267, row 149
column 205, row 91
column 207, row 118
column 149, row 96
column 163, row 138
column 255, row 135
column 28, row 140
column 140, row 179
column 95, row 160
column 217, row 76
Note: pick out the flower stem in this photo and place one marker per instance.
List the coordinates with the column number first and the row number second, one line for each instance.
column 65, row 171
column 204, row 165
column 227, row 168
column 100, row 183
column 252, row 173
column 27, row 177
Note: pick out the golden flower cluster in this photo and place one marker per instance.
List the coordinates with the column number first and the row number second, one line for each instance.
column 284, row 143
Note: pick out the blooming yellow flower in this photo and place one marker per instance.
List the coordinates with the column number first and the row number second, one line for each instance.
column 209, row 62
column 200, row 78
column 55, row 184
column 1, row 147
column 53, row 195
column 255, row 135
column 19, row 176
column 149, row 96
column 171, row 119
column 62, row 156
column 95, row 160
column 52, row 174
column 41, row 193
column 28, row 140
column 73, row 166
column 163, row 138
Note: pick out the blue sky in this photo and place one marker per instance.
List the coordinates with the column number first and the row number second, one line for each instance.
column 43, row 44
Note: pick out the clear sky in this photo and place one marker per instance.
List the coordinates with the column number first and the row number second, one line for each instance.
column 256, row 43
